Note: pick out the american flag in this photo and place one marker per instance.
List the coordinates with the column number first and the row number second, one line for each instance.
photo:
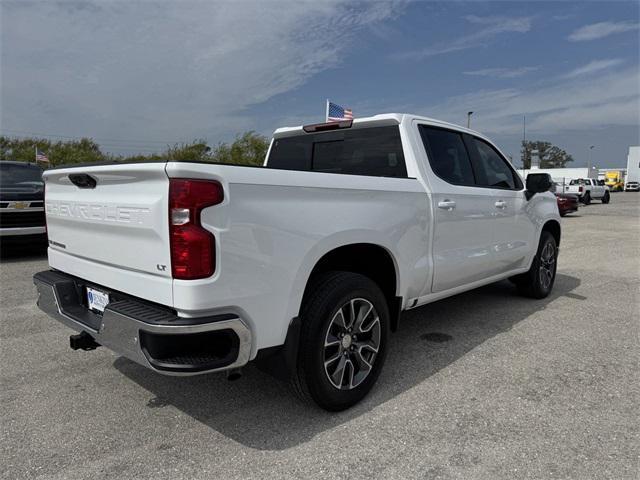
column 336, row 113
column 41, row 157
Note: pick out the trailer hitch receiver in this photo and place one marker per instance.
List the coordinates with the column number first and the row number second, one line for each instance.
column 83, row 341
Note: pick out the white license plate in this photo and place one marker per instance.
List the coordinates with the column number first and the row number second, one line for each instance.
column 96, row 299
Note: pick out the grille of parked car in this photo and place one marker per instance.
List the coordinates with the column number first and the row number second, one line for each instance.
column 22, row 219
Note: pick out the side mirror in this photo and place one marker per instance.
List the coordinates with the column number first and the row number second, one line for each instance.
column 538, row 183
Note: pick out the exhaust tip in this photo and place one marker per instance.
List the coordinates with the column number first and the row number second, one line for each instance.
column 234, row 374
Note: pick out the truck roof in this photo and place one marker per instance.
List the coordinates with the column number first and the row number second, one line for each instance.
column 381, row 119
column 16, row 162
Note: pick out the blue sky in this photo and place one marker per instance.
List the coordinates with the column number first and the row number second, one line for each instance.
column 136, row 75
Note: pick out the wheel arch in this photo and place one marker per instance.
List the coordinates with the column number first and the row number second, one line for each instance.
column 281, row 361
column 553, row 227
column 369, row 259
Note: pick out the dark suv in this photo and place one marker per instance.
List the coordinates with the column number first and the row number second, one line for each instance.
column 21, row 201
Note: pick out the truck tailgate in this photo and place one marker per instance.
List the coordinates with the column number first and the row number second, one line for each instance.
column 115, row 233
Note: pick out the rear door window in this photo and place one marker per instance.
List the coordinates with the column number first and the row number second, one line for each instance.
column 448, row 155
column 491, row 169
column 375, row 151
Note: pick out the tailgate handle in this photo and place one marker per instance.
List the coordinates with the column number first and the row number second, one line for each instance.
column 82, row 180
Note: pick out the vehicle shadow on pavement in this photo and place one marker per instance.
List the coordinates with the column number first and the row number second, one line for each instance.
column 19, row 251
column 260, row 412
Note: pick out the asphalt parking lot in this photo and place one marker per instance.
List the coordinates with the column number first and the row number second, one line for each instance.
column 514, row 388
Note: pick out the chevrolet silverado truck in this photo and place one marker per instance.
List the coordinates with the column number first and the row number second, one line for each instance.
column 303, row 265
column 588, row 189
column 22, row 217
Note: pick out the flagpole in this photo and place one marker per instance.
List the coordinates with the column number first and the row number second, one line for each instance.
column 326, row 112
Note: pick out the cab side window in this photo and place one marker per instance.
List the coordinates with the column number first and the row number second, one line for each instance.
column 491, row 169
column 448, row 155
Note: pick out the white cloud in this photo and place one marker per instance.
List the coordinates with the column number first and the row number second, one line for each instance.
column 622, row 111
column 594, row 66
column 560, row 105
column 500, row 24
column 165, row 70
column 566, row 16
column 491, row 27
column 601, row 30
column 502, row 72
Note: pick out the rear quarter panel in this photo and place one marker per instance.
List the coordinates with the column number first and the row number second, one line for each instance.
column 541, row 208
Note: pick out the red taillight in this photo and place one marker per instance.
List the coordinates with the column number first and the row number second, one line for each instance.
column 580, row 188
column 193, row 252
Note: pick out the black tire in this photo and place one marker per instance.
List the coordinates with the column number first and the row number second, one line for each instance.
column 327, row 296
column 606, row 197
column 586, row 199
column 531, row 284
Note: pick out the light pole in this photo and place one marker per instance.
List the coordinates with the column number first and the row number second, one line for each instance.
column 469, row 119
column 524, row 144
column 589, row 164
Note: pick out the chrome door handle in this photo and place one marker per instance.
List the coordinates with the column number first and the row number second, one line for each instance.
column 447, row 204
column 500, row 204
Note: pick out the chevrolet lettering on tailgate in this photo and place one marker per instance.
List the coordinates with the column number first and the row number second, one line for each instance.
column 99, row 212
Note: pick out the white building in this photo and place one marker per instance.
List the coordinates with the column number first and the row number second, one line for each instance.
column 563, row 175
column 633, row 164
column 560, row 175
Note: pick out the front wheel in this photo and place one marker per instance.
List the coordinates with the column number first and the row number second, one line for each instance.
column 606, row 197
column 539, row 280
column 345, row 326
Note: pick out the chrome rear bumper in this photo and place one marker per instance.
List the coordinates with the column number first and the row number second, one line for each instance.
column 145, row 333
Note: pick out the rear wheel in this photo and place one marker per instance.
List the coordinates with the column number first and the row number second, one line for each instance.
column 345, row 325
column 586, row 199
column 606, row 197
column 538, row 281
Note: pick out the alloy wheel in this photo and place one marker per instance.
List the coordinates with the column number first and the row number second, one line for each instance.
column 351, row 344
column 547, row 265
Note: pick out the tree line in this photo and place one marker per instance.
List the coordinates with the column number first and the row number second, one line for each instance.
column 550, row 156
column 248, row 148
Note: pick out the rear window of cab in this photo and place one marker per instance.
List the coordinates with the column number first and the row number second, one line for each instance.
column 375, row 151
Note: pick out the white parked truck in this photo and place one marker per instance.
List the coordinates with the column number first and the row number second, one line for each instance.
column 588, row 189
column 303, row 265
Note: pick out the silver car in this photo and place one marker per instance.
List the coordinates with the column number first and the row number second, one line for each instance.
column 632, row 187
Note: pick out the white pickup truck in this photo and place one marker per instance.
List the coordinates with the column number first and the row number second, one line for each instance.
column 302, row 265
column 588, row 189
